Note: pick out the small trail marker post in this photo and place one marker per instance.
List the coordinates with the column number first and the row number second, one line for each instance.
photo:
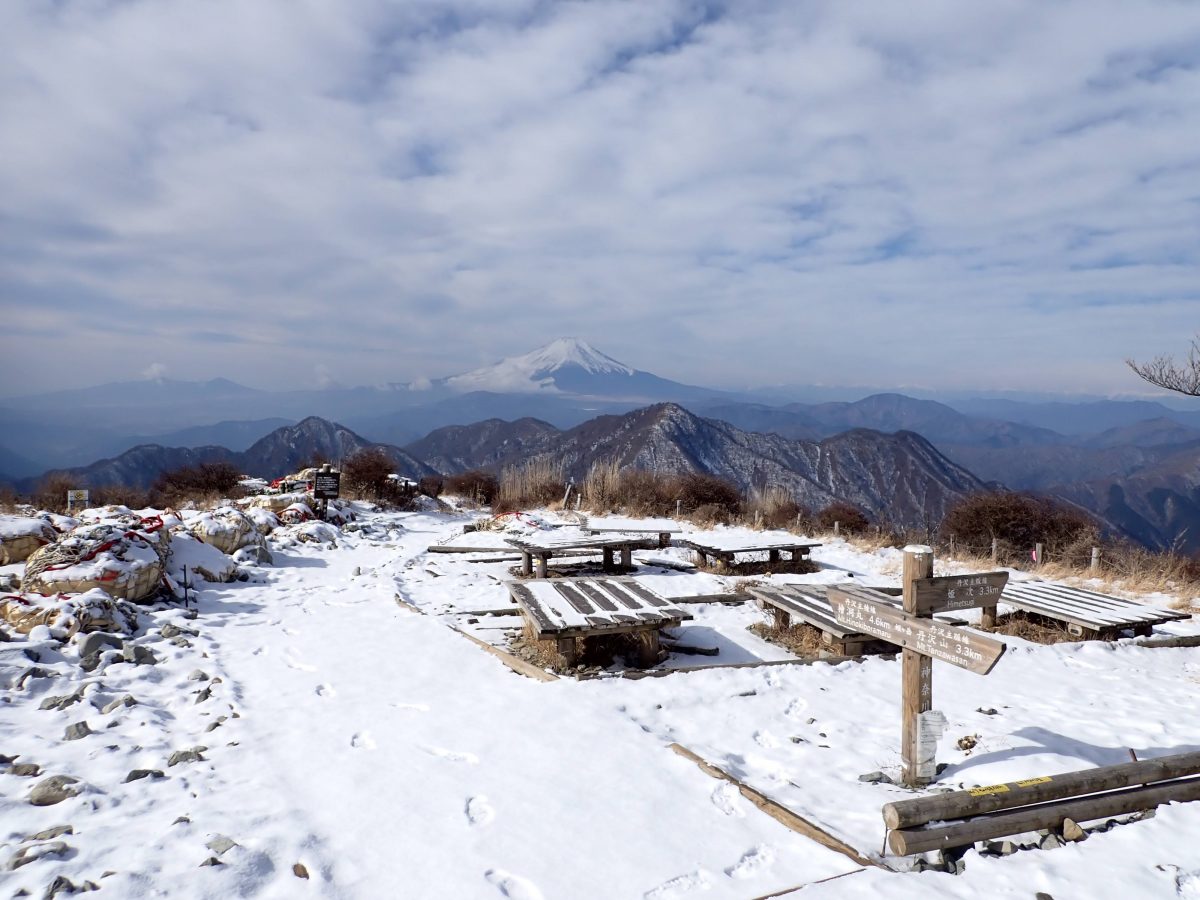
column 922, row 639
column 77, row 499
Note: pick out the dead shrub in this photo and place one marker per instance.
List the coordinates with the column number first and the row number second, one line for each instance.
column 1033, row 628
column 718, row 497
column 802, row 639
column 609, row 488
column 368, row 473
column 849, row 518
column 712, row 514
column 431, row 485
column 536, row 482
column 119, row 495
column 1018, row 522
column 475, row 485
column 51, row 492
column 205, row 481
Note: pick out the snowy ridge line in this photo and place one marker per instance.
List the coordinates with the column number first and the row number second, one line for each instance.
column 780, row 813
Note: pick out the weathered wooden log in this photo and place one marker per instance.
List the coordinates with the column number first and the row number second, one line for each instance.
column 1186, row 640
column 977, row 801
column 1046, row 815
column 690, row 649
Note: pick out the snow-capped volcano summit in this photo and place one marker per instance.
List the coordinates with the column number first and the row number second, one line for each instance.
column 565, row 365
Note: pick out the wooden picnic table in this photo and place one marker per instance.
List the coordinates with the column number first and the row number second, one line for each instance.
column 545, row 546
column 1086, row 613
column 562, row 610
column 664, row 528
column 809, row 604
column 727, row 549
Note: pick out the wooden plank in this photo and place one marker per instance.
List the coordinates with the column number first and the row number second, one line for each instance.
column 952, row 592
column 575, row 598
column 1045, row 815
column 776, row 811
column 995, row 797
column 957, row 646
column 644, row 593
column 538, row 617
column 600, row 599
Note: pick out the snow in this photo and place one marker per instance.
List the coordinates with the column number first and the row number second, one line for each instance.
column 630, row 523
column 390, row 757
column 534, row 371
column 12, row 527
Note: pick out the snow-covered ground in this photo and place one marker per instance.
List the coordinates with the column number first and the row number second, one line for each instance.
column 378, row 752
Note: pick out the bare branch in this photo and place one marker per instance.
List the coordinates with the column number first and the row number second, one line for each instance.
column 1164, row 372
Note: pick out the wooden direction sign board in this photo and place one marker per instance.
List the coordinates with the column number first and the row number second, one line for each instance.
column 327, row 485
column 77, row 498
column 869, row 612
column 953, row 592
column 922, row 641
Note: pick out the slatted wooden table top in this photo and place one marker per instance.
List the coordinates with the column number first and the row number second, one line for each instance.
column 576, row 539
column 1082, row 607
column 606, row 524
column 730, row 546
column 560, row 607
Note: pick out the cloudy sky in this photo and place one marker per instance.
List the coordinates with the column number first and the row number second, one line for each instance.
column 940, row 194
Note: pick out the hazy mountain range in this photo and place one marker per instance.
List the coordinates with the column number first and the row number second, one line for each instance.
column 1133, row 462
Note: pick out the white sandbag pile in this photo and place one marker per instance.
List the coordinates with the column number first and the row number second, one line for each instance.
column 279, row 502
column 200, row 559
column 68, row 615
column 225, row 528
column 339, row 512
column 264, row 520
column 126, row 564
column 306, row 533
column 21, row 535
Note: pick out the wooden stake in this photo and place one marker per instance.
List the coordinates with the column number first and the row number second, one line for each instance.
column 916, row 671
column 1095, row 566
column 1039, row 554
column 995, row 550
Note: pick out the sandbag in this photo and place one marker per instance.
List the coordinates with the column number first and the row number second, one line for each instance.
column 264, row 520
column 226, row 528
column 21, row 535
column 91, row 611
column 296, row 513
column 201, row 559
column 126, row 564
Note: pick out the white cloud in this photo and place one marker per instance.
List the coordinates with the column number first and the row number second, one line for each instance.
column 1000, row 195
column 154, row 372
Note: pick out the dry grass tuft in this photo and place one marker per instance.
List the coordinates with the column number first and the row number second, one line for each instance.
column 803, row 640
column 1033, row 628
column 538, row 482
column 594, row 653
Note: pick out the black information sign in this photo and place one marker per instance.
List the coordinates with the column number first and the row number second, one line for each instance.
column 327, row 485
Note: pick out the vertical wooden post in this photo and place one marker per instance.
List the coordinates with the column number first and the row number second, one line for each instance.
column 995, row 550
column 1095, row 566
column 627, row 557
column 526, row 563
column 608, row 558
column 951, row 545
column 1038, row 554
column 837, row 527
column 678, row 508
column 916, row 670
column 542, row 561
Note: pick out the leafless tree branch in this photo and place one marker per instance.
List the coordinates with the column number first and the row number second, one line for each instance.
column 1164, row 372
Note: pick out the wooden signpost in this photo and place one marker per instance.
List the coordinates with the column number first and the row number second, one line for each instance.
column 77, row 499
column 922, row 640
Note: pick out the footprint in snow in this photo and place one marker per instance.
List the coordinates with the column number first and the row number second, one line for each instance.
column 363, row 741
column 796, row 708
column 765, row 739
column 752, row 862
column 291, row 632
column 699, row 880
column 413, row 707
column 325, row 690
column 512, row 886
column 725, row 798
column 262, row 651
column 453, row 755
column 294, row 663
column 479, row 811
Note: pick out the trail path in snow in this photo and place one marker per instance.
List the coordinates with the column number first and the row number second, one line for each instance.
column 403, row 761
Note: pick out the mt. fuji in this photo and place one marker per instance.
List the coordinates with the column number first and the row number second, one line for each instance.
column 569, row 366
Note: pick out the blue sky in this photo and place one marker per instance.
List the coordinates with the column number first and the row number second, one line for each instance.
column 942, row 194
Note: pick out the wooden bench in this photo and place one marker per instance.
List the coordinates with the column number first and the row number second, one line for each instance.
column 727, row 551
column 562, row 610
column 664, row 528
column 1086, row 613
column 544, row 547
column 809, row 604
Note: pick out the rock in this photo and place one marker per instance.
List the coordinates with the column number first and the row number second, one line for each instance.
column 211, row 861
column 213, row 726
column 221, row 844
column 97, row 640
column 127, row 700
column 990, row 711
column 25, row 770
column 77, row 730
column 194, row 754
column 810, row 721
column 181, row 641
column 197, row 675
column 203, row 695
column 182, row 820
column 5, row 760
column 51, row 833
column 139, row 774
column 34, row 672
column 875, row 778
column 171, row 630
column 1050, row 842
column 62, row 702
column 34, row 852
column 1007, row 848
column 299, row 871
column 1071, row 831
column 1042, row 895
column 53, row 790
column 64, row 885
column 967, row 742
column 90, row 662
column 139, row 655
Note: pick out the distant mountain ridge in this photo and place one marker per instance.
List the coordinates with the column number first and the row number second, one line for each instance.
column 279, row 453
